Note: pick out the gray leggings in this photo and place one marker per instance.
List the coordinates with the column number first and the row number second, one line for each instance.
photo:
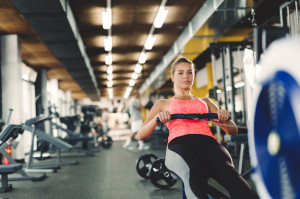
column 195, row 158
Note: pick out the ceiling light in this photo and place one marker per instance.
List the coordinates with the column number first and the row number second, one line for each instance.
column 138, row 68
column 160, row 17
column 134, row 76
column 109, row 69
column 131, row 82
column 149, row 42
column 106, row 19
column 142, row 58
column 110, row 93
column 108, row 59
column 109, row 77
column 127, row 92
column 129, row 89
column 109, row 84
column 108, row 43
column 239, row 84
column 126, row 95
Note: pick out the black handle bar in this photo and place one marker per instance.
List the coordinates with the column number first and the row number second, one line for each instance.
column 197, row 116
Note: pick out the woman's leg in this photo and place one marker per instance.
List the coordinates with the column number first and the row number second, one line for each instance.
column 186, row 165
column 221, row 168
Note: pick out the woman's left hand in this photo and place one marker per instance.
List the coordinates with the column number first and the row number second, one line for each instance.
column 223, row 115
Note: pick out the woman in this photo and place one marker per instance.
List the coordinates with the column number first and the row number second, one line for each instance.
column 193, row 152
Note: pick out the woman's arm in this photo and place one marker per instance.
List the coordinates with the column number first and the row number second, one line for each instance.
column 222, row 117
column 150, row 122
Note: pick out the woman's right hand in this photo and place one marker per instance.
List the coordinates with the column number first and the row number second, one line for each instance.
column 164, row 116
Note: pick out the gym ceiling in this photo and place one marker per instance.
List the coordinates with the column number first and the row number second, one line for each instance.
column 70, row 45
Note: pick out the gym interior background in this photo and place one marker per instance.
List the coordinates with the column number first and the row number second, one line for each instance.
column 64, row 61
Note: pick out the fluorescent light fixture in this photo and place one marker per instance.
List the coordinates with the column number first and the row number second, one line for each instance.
column 128, row 89
column 142, row 58
column 109, row 77
column 138, row 68
column 106, row 18
column 228, row 88
column 109, row 84
column 239, row 84
column 108, row 43
column 108, row 59
column 110, row 93
column 160, row 17
column 127, row 92
column 134, row 76
column 126, row 95
column 149, row 42
column 109, row 69
column 131, row 82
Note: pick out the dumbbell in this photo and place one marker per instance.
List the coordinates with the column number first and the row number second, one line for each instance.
column 150, row 167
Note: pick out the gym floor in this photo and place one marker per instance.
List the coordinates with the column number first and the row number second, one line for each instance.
column 110, row 174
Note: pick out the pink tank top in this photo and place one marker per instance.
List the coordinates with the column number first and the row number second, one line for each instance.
column 181, row 127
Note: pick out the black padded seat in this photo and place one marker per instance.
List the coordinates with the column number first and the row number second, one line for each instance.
column 4, row 171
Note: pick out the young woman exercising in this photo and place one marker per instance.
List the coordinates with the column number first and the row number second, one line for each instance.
column 193, row 152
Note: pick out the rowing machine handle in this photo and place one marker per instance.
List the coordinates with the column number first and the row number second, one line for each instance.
column 193, row 116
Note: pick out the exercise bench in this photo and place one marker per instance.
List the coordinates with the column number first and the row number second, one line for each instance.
column 4, row 171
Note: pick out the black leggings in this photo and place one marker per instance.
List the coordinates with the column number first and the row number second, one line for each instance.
column 195, row 158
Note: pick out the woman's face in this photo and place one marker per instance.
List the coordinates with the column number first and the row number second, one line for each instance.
column 183, row 76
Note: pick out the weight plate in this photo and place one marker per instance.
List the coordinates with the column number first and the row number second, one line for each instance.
column 160, row 176
column 144, row 163
column 106, row 142
column 277, row 136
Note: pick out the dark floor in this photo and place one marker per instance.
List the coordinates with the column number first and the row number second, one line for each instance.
column 110, row 174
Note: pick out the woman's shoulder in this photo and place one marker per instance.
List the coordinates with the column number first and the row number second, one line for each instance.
column 162, row 104
column 206, row 99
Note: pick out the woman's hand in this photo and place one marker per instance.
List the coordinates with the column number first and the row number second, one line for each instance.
column 223, row 115
column 164, row 116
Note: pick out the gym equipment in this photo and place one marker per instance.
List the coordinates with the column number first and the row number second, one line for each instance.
column 4, row 171
column 197, row 116
column 242, row 140
column 10, row 168
column 144, row 164
column 150, row 167
column 10, row 133
column 106, row 142
column 211, row 190
column 73, row 138
column 161, row 176
column 274, row 137
column 159, row 137
column 31, row 126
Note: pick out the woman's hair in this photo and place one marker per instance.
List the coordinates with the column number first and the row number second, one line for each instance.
column 178, row 61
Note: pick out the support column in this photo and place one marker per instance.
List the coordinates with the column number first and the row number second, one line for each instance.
column 44, row 98
column 11, row 77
